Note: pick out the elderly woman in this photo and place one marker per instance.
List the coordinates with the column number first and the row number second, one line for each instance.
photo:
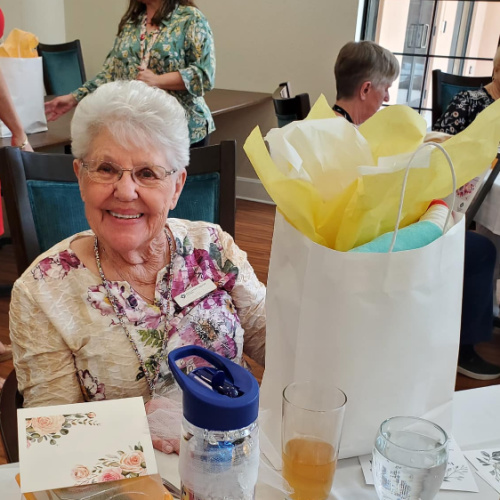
column 466, row 105
column 167, row 44
column 94, row 317
column 364, row 72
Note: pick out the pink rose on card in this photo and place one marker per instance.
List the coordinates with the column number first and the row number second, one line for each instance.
column 133, row 462
column 47, row 425
column 80, row 472
column 111, row 474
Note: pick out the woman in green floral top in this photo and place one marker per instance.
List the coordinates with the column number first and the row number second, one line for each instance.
column 166, row 44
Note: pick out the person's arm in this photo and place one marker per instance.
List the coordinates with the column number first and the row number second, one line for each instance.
column 249, row 298
column 44, row 364
column 11, row 119
column 199, row 75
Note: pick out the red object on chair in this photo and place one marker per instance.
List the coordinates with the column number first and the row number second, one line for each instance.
column 2, row 23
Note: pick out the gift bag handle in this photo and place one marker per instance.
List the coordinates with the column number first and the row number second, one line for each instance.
column 403, row 188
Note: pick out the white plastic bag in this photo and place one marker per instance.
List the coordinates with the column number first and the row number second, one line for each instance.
column 24, row 77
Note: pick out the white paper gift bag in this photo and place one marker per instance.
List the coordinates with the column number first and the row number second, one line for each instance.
column 24, row 77
column 384, row 328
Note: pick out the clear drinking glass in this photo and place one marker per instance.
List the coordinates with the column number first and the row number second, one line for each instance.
column 409, row 459
column 313, row 414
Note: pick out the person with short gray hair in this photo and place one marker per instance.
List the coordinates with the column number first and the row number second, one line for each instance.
column 364, row 72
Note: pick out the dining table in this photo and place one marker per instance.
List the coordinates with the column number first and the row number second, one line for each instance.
column 476, row 425
column 222, row 102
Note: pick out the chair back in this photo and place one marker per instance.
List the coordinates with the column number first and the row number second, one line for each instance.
column 44, row 206
column 42, row 200
column 287, row 108
column 10, row 401
column 210, row 190
column 445, row 86
column 63, row 69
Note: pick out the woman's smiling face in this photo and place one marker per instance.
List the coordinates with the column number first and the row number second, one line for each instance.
column 124, row 216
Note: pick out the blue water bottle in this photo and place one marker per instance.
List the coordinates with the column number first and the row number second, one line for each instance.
column 219, row 452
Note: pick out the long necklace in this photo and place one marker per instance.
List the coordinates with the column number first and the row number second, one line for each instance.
column 120, row 314
column 145, row 54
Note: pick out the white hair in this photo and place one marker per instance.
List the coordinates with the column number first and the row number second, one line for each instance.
column 135, row 114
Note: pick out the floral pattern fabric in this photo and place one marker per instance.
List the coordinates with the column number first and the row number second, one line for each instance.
column 69, row 345
column 184, row 44
column 462, row 111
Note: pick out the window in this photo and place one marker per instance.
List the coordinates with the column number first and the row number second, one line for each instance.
column 457, row 37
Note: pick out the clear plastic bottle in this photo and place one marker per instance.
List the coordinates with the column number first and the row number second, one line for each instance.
column 219, row 453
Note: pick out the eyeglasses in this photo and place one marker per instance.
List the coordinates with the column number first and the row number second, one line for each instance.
column 107, row 172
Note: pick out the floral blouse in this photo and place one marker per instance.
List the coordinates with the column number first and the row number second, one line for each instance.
column 462, row 110
column 69, row 345
column 185, row 44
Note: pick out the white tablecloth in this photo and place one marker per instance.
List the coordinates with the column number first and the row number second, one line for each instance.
column 476, row 425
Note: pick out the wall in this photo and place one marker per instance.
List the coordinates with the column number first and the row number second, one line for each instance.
column 262, row 43
column 259, row 44
column 43, row 18
column 94, row 23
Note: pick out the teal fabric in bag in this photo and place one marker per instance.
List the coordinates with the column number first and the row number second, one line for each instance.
column 58, row 211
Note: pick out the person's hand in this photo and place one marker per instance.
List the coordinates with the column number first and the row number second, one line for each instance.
column 21, row 141
column 164, row 419
column 147, row 76
column 59, row 106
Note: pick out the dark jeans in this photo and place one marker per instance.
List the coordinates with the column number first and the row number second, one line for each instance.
column 477, row 306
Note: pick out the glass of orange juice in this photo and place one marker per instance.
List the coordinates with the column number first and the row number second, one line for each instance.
column 313, row 414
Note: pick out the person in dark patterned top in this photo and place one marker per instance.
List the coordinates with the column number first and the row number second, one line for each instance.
column 466, row 105
column 462, row 110
column 480, row 253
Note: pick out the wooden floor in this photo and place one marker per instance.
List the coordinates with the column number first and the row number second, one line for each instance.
column 254, row 229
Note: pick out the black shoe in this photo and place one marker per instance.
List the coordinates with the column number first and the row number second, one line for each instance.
column 474, row 366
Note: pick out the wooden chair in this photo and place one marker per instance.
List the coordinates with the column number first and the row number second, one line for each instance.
column 63, row 68
column 44, row 206
column 287, row 108
column 10, row 401
column 445, row 86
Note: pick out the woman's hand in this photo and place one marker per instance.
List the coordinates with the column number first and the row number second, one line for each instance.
column 164, row 419
column 59, row 106
column 21, row 141
column 147, row 76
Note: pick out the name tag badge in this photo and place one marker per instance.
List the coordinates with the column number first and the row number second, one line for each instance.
column 195, row 293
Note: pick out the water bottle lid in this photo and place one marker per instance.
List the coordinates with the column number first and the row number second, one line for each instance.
column 222, row 398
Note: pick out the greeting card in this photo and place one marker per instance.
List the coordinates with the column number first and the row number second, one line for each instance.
column 487, row 465
column 84, row 444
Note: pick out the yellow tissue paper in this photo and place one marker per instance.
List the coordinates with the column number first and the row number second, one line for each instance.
column 19, row 44
column 341, row 186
